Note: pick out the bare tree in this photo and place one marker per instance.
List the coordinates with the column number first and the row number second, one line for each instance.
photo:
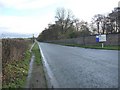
column 77, row 24
column 64, row 18
column 98, row 19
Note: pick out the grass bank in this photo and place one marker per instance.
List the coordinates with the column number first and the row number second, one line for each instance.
column 16, row 72
column 106, row 47
column 37, row 54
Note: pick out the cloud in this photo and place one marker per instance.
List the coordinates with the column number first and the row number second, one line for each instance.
column 34, row 20
column 86, row 9
column 11, row 3
column 26, row 24
column 32, row 16
column 27, row 4
column 119, row 4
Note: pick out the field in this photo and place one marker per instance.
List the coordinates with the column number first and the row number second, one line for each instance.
column 0, row 63
column 13, row 49
column 15, row 59
column 0, row 48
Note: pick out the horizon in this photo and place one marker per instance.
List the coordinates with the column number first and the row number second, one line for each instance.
column 17, row 35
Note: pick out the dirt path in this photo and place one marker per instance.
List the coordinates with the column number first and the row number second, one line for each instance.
column 36, row 77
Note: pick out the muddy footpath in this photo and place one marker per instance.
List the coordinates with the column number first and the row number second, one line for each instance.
column 36, row 77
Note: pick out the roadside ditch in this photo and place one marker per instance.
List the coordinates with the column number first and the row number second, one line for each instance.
column 36, row 77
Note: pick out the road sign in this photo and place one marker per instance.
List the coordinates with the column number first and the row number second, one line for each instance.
column 97, row 38
column 102, row 38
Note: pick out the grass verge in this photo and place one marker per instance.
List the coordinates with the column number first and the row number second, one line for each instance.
column 17, row 72
column 37, row 54
column 106, row 47
column 38, row 67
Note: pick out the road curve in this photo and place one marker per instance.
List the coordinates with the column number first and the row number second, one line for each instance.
column 75, row 67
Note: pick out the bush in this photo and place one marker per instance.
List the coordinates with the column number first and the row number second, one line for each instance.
column 13, row 50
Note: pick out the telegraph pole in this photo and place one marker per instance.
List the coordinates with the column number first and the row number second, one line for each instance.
column 33, row 38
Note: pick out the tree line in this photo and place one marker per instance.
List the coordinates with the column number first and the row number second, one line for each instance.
column 68, row 26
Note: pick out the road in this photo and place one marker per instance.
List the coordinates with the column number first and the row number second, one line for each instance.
column 74, row 67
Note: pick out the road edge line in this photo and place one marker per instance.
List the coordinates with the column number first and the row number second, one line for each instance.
column 51, row 81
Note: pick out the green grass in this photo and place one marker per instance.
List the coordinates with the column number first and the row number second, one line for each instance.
column 37, row 54
column 106, row 47
column 17, row 72
column 38, row 63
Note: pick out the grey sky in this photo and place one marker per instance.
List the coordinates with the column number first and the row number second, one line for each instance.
column 32, row 16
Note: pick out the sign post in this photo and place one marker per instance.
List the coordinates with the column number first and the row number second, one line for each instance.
column 33, row 38
column 102, row 44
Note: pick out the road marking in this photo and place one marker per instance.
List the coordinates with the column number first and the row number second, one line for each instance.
column 53, row 83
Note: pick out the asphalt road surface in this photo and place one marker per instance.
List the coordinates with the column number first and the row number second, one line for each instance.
column 74, row 67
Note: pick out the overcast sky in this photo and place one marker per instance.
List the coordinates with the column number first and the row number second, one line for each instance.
column 32, row 16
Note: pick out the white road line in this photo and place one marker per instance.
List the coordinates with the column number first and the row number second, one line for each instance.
column 53, row 83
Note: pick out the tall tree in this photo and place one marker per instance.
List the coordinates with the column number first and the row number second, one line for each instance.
column 98, row 19
column 115, row 19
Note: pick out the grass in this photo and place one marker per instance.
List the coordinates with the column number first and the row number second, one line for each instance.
column 106, row 47
column 17, row 72
column 37, row 54
column 39, row 66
